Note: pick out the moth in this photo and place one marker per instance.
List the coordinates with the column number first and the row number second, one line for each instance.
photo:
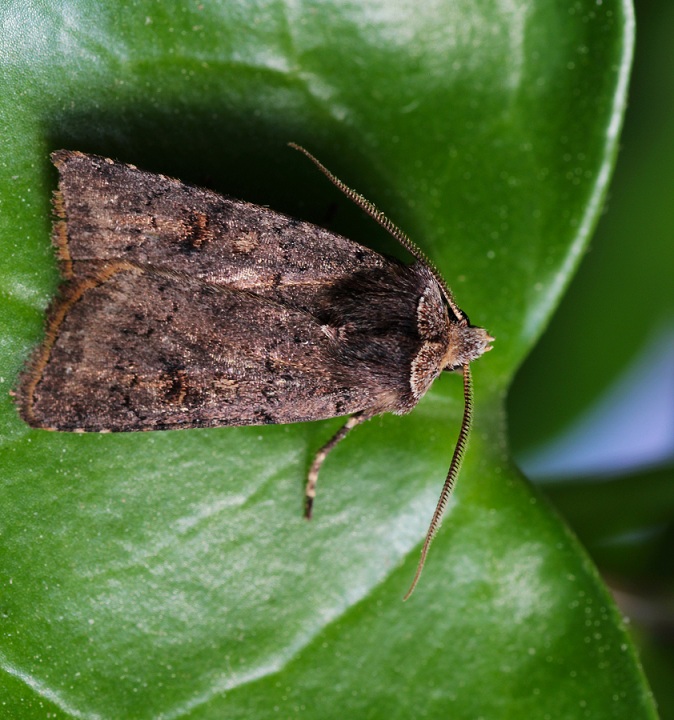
column 182, row 308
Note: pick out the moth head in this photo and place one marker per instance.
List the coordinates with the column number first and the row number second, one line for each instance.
column 446, row 332
column 448, row 340
column 466, row 343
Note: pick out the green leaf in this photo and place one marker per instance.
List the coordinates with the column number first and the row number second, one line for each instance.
column 611, row 332
column 171, row 574
column 620, row 303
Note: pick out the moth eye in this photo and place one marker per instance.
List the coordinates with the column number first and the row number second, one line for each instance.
column 457, row 315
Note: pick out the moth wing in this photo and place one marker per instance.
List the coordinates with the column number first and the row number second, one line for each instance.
column 133, row 350
column 111, row 211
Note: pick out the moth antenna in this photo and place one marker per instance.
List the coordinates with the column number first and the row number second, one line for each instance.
column 454, row 468
column 376, row 214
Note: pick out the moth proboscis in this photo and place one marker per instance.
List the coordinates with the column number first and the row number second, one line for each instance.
column 182, row 308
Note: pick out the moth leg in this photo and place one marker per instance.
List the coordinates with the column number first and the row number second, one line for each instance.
column 319, row 458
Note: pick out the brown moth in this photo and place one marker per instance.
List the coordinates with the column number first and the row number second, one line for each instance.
column 182, row 308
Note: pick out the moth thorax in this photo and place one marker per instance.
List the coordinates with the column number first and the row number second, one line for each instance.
column 432, row 326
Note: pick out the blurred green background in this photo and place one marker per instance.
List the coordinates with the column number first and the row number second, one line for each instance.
column 591, row 411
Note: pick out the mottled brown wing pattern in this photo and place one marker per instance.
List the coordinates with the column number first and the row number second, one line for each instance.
column 143, row 350
column 117, row 212
column 187, row 309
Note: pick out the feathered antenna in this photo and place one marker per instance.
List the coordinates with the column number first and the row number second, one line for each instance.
column 454, row 468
